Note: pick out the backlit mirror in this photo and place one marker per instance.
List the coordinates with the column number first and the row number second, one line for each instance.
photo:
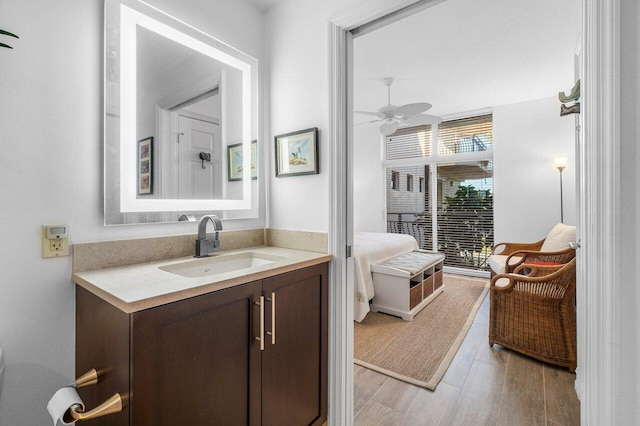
column 180, row 118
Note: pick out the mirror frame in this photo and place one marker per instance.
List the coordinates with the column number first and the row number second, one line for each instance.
column 137, row 13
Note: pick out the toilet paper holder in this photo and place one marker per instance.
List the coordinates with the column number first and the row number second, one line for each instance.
column 110, row 406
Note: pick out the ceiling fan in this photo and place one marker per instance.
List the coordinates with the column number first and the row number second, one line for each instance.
column 394, row 116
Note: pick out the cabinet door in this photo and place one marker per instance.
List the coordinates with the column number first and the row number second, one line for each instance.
column 294, row 369
column 102, row 342
column 196, row 361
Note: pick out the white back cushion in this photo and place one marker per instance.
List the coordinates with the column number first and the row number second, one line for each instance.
column 559, row 238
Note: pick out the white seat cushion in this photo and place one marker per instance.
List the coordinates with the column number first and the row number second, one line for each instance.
column 559, row 238
column 497, row 262
column 413, row 262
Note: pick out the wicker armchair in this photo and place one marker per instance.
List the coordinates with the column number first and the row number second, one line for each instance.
column 535, row 314
column 520, row 253
column 506, row 257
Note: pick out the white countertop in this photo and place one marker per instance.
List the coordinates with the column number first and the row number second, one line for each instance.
column 137, row 287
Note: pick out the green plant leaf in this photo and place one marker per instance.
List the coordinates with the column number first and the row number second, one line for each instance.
column 5, row 45
column 7, row 33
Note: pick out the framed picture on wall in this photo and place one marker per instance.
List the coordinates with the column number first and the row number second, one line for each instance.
column 297, row 153
column 234, row 161
column 145, row 166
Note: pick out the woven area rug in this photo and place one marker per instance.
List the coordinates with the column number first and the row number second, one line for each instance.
column 420, row 351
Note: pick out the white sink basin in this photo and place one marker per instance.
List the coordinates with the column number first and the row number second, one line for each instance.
column 219, row 264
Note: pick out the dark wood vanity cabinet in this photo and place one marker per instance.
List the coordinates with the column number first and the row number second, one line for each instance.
column 198, row 362
column 195, row 360
column 294, row 365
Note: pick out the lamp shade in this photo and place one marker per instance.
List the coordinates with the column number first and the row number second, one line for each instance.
column 560, row 162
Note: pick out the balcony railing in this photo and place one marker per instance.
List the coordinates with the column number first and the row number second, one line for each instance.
column 465, row 239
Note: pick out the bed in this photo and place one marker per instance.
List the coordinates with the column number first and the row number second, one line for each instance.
column 370, row 248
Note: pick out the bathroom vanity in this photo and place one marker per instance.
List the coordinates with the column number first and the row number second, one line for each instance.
column 186, row 345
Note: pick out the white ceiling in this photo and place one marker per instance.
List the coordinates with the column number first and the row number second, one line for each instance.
column 462, row 55
column 156, row 54
column 162, row 59
column 266, row 4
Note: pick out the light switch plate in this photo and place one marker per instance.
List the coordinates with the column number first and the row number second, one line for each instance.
column 55, row 247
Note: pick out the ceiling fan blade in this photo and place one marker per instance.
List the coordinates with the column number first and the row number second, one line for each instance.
column 375, row 114
column 412, row 109
column 369, row 122
column 422, row 119
column 389, row 127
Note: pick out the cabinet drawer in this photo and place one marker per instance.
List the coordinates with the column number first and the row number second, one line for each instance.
column 427, row 286
column 437, row 280
column 415, row 295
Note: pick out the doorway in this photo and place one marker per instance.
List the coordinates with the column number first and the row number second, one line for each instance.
column 189, row 135
column 199, row 158
column 341, row 125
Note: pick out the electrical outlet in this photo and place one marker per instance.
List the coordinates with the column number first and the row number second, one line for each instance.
column 55, row 245
column 55, row 240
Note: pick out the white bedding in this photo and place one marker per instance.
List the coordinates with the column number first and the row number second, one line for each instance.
column 370, row 248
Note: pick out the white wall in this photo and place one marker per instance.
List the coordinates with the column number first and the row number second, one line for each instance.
column 527, row 136
column 298, row 40
column 297, row 33
column 51, row 172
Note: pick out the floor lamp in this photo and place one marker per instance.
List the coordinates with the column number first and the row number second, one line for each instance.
column 561, row 163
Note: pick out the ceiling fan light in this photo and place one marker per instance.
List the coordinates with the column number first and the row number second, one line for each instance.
column 389, row 127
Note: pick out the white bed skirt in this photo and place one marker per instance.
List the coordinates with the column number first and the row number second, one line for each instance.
column 370, row 248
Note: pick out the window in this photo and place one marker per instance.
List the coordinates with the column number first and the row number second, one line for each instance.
column 411, row 142
column 451, row 210
column 395, row 181
column 471, row 134
column 465, row 213
column 410, row 212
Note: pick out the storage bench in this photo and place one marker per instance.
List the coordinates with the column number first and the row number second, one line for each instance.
column 405, row 284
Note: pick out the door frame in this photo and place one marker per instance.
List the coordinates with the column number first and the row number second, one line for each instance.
column 598, row 217
column 599, row 212
column 340, row 231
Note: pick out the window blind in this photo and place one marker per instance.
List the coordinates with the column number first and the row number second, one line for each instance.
column 411, row 142
column 465, row 135
column 465, row 213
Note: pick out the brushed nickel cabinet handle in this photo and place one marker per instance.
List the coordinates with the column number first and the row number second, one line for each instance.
column 261, row 337
column 272, row 333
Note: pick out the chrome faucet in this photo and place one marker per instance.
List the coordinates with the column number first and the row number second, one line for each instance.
column 208, row 243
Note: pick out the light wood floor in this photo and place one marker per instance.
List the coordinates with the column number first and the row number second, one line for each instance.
column 483, row 386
